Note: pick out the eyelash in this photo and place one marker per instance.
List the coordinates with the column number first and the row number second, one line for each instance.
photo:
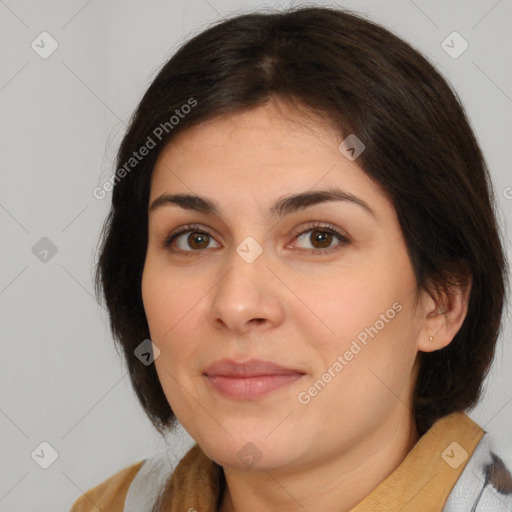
column 324, row 228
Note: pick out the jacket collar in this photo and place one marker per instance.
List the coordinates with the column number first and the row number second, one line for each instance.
column 422, row 481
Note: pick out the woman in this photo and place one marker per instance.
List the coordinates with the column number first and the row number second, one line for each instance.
column 302, row 265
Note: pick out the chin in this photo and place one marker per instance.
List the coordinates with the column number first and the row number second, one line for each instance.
column 245, row 454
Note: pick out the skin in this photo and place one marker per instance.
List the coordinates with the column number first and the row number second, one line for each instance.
column 292, row 305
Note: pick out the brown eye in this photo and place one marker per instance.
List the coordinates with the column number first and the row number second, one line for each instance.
column 197, row 240
column 321, row 237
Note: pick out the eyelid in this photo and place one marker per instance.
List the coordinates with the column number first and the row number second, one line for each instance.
column 194, row 228
column 319, row 225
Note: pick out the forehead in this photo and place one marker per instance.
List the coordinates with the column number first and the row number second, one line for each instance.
column 270, row 131
column 265, row 152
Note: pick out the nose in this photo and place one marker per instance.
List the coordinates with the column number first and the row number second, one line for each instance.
column 248, row 296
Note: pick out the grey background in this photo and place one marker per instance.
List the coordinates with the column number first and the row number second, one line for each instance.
column 62, row 118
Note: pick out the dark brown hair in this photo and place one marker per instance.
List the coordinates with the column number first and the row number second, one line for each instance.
column 420, row 148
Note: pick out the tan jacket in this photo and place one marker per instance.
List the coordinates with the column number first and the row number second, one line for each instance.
column 422, row 482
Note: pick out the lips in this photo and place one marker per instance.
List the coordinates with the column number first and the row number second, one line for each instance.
column 249, row 380
column 250, row 368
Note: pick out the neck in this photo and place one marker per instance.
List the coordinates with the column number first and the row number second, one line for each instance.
column 338, row 483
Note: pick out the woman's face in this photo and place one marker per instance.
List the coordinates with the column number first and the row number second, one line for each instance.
column 267, row 284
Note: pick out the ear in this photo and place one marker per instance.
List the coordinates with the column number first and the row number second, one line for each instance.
column 444, row 316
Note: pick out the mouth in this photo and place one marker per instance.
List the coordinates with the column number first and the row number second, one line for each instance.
column 250, row 379
column 253, row 387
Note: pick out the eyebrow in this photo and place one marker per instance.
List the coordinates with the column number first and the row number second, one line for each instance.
column 281, row 208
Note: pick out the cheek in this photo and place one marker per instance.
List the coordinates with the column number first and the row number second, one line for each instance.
column 174, row 311
column 365, row 379
column 166, row 309
column 366, row 319
column 167, row 303
column 341, row 305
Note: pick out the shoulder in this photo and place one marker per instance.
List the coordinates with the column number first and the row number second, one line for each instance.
column 108, row 496
column 486, row 481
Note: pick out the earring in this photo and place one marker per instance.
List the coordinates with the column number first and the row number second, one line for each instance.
column 431, row 338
